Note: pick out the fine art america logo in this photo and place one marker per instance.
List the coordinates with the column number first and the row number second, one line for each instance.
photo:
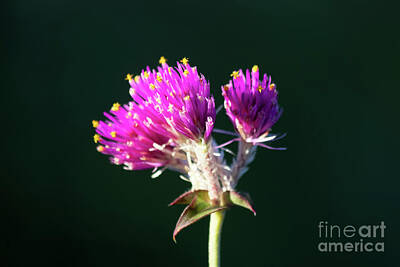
column 349, row 238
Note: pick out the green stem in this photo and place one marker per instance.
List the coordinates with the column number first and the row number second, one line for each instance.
column 214, row 238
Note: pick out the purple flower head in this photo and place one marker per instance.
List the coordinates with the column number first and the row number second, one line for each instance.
column 170, row 106
column 251, row 104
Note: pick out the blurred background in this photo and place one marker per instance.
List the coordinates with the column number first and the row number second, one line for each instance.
column 64, row 63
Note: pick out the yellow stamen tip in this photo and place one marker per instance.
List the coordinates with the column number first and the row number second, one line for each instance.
column 272, row 86
column 96, row 138
column 255, row 68
column 137, row 78
column 129, row 77
column 95, row 124
column 260, row 88
column 186, row 72
column 100, row 148
column 152, row 86
column 159, row 78
column 235, row 74
column 113, row 134
column 187, row 98
column 115, row 107
column 146, row 74
column 185, row 60
column 162, row 60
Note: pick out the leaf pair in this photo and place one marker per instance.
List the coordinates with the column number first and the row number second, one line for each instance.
column 199, row 206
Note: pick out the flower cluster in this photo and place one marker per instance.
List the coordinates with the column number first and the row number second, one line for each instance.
column 168, row 125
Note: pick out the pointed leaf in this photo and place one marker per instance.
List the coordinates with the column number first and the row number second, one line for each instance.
column 197, row 209
column 241, row 200
column 185, row 198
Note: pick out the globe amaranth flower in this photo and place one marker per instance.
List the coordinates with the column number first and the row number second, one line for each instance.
column 252, row 105
column 168, row 125
column 169, row 106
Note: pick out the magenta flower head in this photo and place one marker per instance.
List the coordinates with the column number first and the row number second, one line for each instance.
column 252, row 105
column 170, row 105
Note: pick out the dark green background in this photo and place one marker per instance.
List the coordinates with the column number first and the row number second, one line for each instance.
column 336, row 67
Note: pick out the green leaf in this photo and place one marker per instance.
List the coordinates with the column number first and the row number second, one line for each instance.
column 199, row 207
column 187, row 197
column 239, row 200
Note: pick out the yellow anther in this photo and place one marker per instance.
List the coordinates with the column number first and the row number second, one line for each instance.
column 137, row 78
column 162, row 60
column 113, row 134
column 129, row 114
column 129, row 77
column 185, row 60
column 115, row 107
column 260, row 88
column 96, row 138
column 235, row 74
column 186, row 72
column 100, row 148
column 255, row 68
column 159, row 78
column 187, row 98
column 95, row 123
column 169, row 70
column 226, row 87
column 152, row 86
column 272, row 86
column 146, row 74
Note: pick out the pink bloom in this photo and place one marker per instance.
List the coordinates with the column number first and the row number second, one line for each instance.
column 170, row 106
column 252, row 105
